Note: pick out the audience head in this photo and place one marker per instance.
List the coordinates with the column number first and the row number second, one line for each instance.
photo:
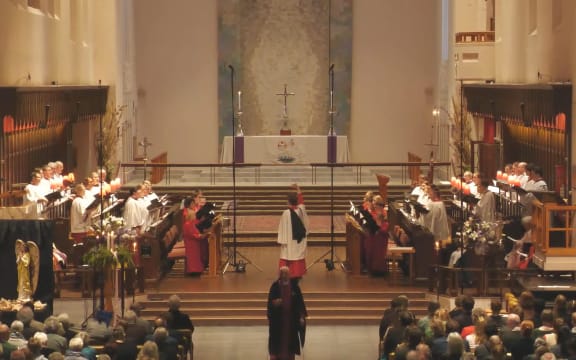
column 284, row 274
column 51, row 325
column 4, row 333
column 406, row 318
column 56, row 356
column 413, row 336
column 25, row 314
column 34, row 345
column 76, row 344
column 452, row 326
column 526, row 328
column 160, row 334
column 42, row 337
column 513, row 320
column 455, row 347
column 438, row 328
column 495, row 306
column 130, row 317
column 17, row 326
column 149, row 351
column 441, row 314
column 17, row 355
column 468, row 303
column 118, row 333
column 547, row 317
column 433, row 306
column 64, row 319
column 84, row 336
column 174, row 302
column 160, row 321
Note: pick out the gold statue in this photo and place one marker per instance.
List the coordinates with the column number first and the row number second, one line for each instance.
column 28, row 263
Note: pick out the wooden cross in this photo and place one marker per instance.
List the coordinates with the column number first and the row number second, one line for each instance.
column 285, row 94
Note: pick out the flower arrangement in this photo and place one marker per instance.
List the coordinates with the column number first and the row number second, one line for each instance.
column 478, row 235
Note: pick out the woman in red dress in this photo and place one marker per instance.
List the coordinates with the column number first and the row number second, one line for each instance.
column 193, row 239
column 376, row 245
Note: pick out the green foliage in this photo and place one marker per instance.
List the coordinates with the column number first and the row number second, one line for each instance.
column 100, row 258
column 124, row 256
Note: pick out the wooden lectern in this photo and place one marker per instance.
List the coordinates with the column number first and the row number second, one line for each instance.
column 215, row 247
column 354, row 235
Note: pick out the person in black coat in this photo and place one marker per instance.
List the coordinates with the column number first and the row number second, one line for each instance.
column 286, row 317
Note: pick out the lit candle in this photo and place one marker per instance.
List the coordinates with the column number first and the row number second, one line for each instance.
column 239, row 101
column 499, row 175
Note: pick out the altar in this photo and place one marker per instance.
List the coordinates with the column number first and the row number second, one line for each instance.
column 294, row 149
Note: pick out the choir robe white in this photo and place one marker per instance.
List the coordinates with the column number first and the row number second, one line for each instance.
column 436, row 220
column 486, row 207
column 290, row 249
column 133, row 214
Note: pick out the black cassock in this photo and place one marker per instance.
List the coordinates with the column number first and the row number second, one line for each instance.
column 278, row 326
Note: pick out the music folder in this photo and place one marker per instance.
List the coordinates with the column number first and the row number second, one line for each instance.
column 53, row 196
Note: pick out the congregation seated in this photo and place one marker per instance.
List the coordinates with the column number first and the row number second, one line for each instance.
column 42, row 337
column 66, row 329
column 119, row 347
column 98, row 329
column 135, row 332
column 137, row 307
column 87, row 351
column 31, row 326
column 489, row 336
column 74, row 351
column 179, row 324
column 55, row 341
column 16, row 337
column 148, row 351
column 167, row 345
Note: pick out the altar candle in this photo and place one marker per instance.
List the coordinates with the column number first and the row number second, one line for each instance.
column 239, row 100
column 453, row 181
column 499, row 175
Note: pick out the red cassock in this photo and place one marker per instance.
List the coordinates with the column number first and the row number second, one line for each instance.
column 375, row 249
column 193, row 247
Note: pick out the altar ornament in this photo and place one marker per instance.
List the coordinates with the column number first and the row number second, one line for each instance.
column 28, row 266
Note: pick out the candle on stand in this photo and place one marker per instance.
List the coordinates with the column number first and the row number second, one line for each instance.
column 239, row 101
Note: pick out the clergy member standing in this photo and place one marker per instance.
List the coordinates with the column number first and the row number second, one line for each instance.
column 292, row 233
column 486, row 207
column 286, row 317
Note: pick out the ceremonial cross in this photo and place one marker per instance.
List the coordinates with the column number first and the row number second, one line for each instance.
column 145, row 144
column 285, row 94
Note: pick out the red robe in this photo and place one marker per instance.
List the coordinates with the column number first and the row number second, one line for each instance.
column 376, row 248
column 192, row 245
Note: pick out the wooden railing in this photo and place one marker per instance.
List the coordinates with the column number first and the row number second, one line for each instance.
column 358, row 167
column 554, row 233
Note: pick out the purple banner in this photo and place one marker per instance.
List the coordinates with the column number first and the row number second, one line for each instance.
column 332, row 141
column 238, row 149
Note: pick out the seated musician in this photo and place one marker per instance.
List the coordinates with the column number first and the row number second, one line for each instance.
column 376, row 244
column 134, row 216
column 485, row 209
column 79, row 217
column 33, row 193
column 368, row 202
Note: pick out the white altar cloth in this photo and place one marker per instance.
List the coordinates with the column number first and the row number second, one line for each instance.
column 283, row 149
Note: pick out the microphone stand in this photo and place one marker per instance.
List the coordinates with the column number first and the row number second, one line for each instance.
column 331, row 163
column 239, row 266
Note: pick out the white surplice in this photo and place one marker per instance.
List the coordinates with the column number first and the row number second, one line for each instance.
column 486, row 207
column 133, row 214
column 436, row 220
column 290, row 249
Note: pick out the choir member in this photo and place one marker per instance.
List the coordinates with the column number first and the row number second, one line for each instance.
column 486, row 207
column 46, row 180
column 436, row 220
column 521, row 174
column 133, row 214
column 196, row 258
column 33, row 193
column 376, row 244
column 79, row 218
column 535, row 180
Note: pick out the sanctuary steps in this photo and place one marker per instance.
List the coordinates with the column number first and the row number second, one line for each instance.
column 249, row 308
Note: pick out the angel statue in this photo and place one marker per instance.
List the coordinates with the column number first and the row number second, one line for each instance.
column 27, row 262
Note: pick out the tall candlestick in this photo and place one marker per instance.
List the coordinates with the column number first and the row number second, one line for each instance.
column 239, row 101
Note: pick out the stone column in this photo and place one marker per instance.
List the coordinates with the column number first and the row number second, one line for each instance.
column 511, row 35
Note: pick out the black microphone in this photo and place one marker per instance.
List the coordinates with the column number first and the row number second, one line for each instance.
column 331, row 68
column 231, row 68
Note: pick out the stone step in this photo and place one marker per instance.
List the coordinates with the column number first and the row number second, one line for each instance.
column 247, row 295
